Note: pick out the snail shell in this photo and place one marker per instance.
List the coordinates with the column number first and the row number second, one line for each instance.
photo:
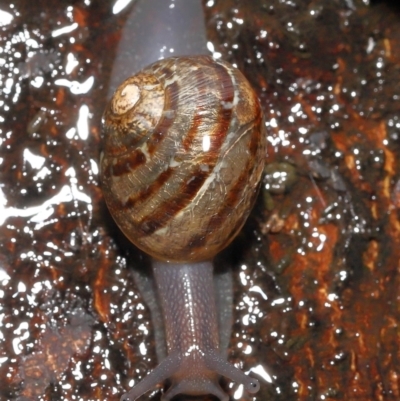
column 184, row 152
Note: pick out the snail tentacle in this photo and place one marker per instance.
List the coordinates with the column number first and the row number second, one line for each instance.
column 218, row 364
column 162, row 372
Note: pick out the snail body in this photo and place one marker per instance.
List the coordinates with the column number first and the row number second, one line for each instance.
column 183, row 156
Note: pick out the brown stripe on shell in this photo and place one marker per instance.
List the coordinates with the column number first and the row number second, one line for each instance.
column 257, row 128
column 151, row 190
column 220, row 130
column 198, row 117
column 174, row 205
column 128, row 162
column 161, row 130
column 193, row 130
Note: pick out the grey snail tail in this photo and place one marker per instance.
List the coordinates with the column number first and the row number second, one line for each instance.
column 184, row 150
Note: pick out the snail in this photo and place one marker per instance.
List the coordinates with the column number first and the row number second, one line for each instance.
column 183, row 154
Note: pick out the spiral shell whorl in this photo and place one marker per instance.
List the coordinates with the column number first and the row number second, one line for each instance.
column 187, row 185
column 133, row 113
